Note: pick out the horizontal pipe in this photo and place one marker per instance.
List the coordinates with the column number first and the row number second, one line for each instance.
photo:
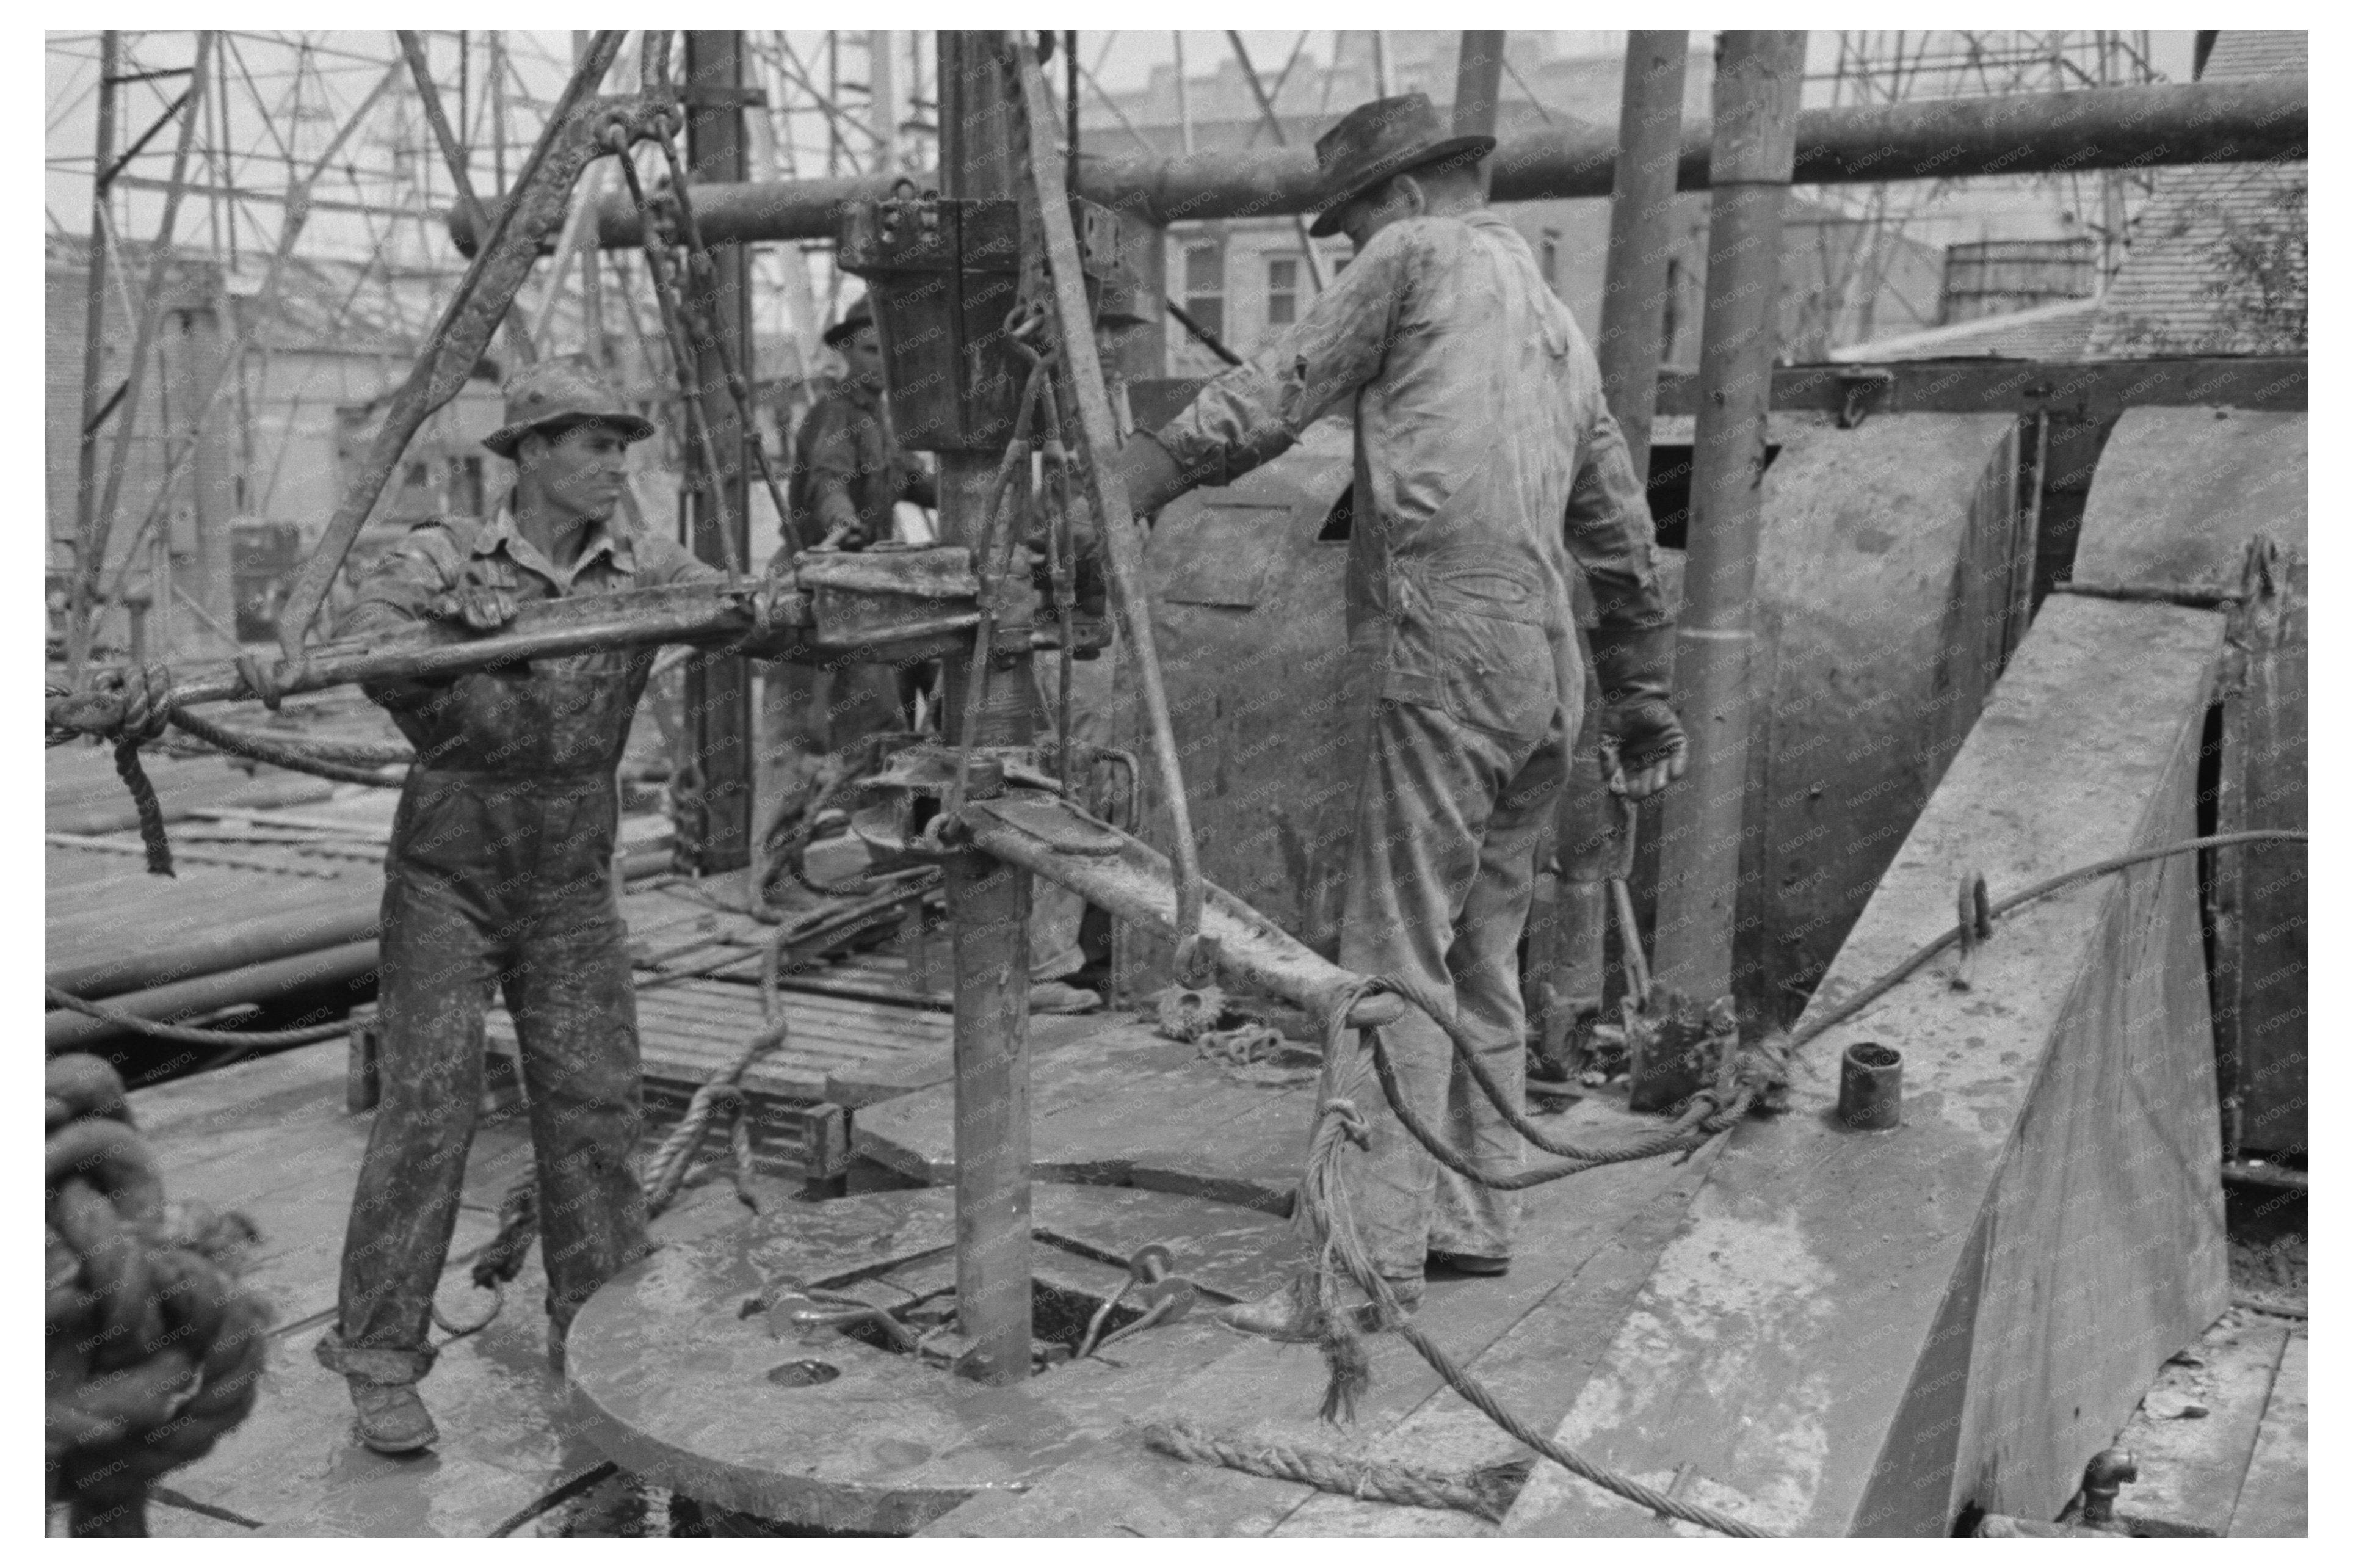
column 2255, row 1174
column 67, row 1031
column 231, row 946
column 1934, row 139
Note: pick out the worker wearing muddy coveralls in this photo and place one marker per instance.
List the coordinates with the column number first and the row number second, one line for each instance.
column 1480, row 426
column 501, row 873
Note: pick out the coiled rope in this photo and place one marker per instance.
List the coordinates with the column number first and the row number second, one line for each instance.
column 153, row 1350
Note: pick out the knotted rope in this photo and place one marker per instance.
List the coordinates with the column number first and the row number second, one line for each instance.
column 1341, row 1252
column 152, row 1352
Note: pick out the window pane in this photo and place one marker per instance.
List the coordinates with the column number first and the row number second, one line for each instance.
column 1209, row 309
column 1282, row 274
column 1282, row 310
column 1205, row 271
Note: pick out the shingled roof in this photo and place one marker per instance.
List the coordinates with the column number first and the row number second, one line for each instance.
column 2218, row 260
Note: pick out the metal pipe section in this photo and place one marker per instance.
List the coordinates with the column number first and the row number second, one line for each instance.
column 1937, row 139
column 1478, row 83
column 1641, row 205
column 352, row 963
column 1756, row 82
column 989, row 899
column 719, row 730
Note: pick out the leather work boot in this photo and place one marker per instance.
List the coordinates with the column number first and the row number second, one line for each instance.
column 391, row 1417
column 1273, row 1315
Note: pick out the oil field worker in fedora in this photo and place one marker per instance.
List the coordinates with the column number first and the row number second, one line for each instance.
column 499, row 871
column 1486, row 459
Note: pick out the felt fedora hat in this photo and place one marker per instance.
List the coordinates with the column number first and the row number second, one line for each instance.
column 858, row 315
column 562, row 392
column 1385, row 137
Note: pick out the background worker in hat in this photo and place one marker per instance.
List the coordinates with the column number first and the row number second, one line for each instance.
column 849, row 477
column 1480, row 428
column 501, row 871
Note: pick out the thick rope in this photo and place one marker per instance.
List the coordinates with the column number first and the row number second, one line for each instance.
column 503, row 1259
column 1871, row 993
column 344, row 761
column 153, row 1350
column 1486, row 1492
column 252, row 1040
column 1341, row 1251
column 134, row 779
column 1582, row 1158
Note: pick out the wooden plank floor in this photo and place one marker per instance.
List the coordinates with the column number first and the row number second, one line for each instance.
column 271, row 1139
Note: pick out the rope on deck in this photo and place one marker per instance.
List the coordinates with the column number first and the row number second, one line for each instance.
column 1486, row 1492
column 152, row 1349
column 249, row 1039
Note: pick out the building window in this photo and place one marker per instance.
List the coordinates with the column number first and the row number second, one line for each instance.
column 1550, row 262
column 466, row 492
column 1205, row 285
column 1671, row 311
column 1282, row 291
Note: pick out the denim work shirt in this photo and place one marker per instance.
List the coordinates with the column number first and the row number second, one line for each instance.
column 1486, row 457
column 564, row 716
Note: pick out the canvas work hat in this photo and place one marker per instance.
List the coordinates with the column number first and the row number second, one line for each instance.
column 858, row 315
column 1385, row 137
column 562, row 392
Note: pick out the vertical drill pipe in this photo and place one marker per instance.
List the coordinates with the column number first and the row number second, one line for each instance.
column 1650, row 134
column 719, row 690
column 989, row 901
column 1756, row 81
column 1478, row 80
column 1642, row 210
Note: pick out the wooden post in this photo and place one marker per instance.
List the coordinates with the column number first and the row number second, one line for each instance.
column 93, row 371
column 1756, row 81
column 988, row 902
column 719, row 690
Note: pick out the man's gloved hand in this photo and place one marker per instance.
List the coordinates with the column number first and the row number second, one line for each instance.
column 1632, row 663
column 484, row 600
column 1150, row 476
column 146, row 695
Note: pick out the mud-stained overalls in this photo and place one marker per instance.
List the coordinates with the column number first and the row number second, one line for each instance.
column 501, row 873
column 1480, row 426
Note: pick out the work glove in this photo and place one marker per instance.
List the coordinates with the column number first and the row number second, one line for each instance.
column 1634, row 664
column 483, row 598
column 1150, row 475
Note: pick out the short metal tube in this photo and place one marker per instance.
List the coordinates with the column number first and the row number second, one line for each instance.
column 1870, row 1088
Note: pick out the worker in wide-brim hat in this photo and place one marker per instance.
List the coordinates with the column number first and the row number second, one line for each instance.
column 500, row 872
column 1480, row 431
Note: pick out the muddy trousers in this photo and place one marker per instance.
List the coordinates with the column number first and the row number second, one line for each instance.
column 507, row 883
column 1443, row 863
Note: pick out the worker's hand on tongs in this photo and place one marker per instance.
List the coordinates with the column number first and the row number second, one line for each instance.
column 483, row 600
